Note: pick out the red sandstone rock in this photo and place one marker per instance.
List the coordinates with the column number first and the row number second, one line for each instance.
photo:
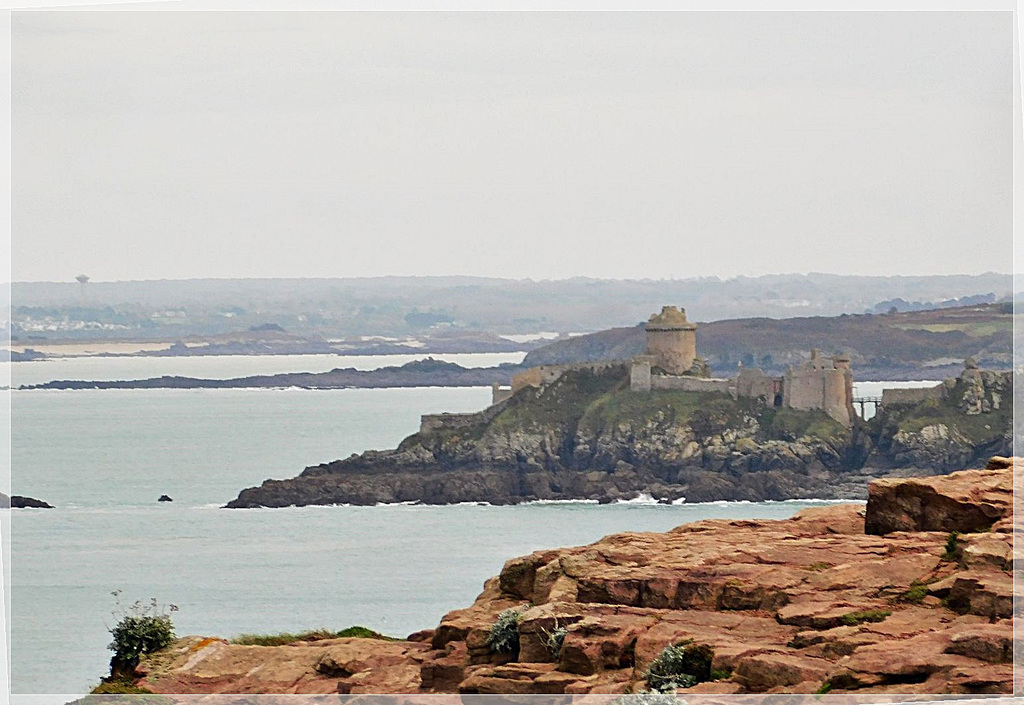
column 968, row 501
column 786, row 606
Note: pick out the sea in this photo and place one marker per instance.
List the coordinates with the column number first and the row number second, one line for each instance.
column 103, row 457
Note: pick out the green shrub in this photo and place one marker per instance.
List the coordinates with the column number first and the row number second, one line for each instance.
column 952, row 546
column 504, row 636
column 825, row 688
column 313, row 635
column 140, row 629
column 554, row 639
column 680, row 666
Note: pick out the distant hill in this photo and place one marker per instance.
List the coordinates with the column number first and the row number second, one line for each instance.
column 911, row 345
column 420, row 306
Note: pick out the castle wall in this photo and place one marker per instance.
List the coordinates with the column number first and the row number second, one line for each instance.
column 693, row 384
column 911, row 396
column 838, row 400
column 640, row 374
column 543, row 375
column 817, row 387
column 499, row 393
column 754, row 383
column 672, row 350
column 438, row 422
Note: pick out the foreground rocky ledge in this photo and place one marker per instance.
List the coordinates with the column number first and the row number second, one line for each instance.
column 804, row 605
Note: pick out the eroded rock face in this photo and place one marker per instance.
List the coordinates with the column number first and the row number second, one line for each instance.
column 966, row 502
column 205, row 665
column 787, row 606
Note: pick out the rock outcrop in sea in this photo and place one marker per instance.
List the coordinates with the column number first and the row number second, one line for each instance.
column 587, row 436
column 18, row 502
column 917, row 600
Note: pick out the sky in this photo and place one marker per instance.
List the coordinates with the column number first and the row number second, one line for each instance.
column 152, row 145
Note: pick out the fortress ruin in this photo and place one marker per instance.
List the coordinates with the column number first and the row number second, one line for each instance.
column 671, row 362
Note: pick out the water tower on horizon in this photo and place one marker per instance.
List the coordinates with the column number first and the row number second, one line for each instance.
column 82, row 280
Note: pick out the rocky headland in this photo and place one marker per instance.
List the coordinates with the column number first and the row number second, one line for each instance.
column 911, row 593
column 418, row 373
column 588, row 436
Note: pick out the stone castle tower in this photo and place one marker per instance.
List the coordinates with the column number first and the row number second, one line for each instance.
column 821, row 383
column 671, row 340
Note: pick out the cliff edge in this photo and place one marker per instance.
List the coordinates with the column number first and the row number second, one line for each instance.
column 921, row 602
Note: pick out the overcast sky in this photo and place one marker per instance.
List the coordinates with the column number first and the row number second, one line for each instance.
column 545, row 145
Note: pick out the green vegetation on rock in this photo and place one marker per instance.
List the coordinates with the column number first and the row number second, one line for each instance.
column 312, row 635
column 141, row 629
column 793, row 424
column 852, row 619
column 952, row 546
column 504, row 636
column 680, row 665
column 559, row 404
column 914, row 595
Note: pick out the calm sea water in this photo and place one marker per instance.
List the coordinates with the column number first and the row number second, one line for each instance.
column 104, row 456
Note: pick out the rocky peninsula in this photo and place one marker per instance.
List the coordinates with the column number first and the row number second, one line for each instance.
column 911, row 593
column 418, row 373
column 589, row 436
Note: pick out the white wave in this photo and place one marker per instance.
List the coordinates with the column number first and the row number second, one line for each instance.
column 642, row 499
column 561, row 501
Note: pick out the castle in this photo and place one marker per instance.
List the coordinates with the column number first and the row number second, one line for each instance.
column 671, row 362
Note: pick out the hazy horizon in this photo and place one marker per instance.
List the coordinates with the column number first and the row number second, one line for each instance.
column 709, row 277
column 545, row 146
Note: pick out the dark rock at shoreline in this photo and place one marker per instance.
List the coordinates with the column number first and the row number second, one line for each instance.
column 19, row 502
column 164, row 498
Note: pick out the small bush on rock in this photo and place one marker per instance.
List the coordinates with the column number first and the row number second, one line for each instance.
column 504, row 636
column 555, row 638
column 140, row 629
column 680, row 666
column 952, row 546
